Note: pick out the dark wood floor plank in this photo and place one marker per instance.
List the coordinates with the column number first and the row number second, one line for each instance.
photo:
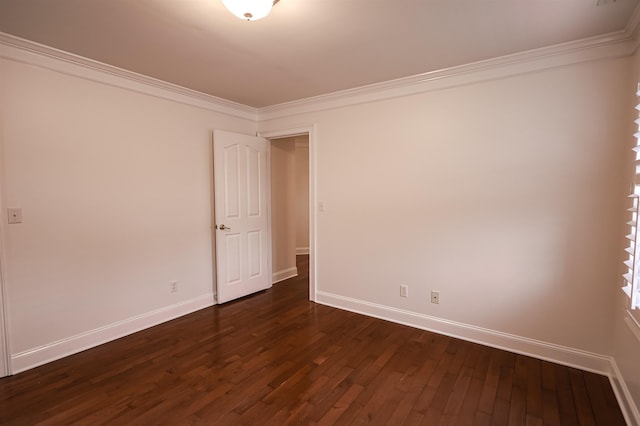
column 334, row 413
column 490, row 383
column 469, row 407
column 502, row 404
column 277, row 359
column 481, row 419
column 377, row 405
column 326, row 397
column 533, row 421
column 584, row 409
column 414, row 419
column 550, row 408
column 534, row 389
column 518, row 405
column 417, row 375
column 601, row 397
column 463, row 402
column 564, row 393
column 423, row 403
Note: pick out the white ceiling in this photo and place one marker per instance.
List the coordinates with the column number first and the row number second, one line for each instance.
column 304, row 47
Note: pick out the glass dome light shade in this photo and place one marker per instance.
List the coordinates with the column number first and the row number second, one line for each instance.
column 249, row 10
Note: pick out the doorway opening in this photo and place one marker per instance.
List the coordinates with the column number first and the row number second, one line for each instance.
column 293, row 200
column 289, row 160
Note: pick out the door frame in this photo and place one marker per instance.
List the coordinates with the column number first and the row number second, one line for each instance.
column 313, row 226
column 5, row 358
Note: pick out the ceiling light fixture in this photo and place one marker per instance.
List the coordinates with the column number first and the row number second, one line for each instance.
column 249, row 10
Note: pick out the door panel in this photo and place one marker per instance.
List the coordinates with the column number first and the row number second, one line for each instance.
column 232, row 243
column 241, row 221
column 254, row 185
column 255, row 254
column 231, row 178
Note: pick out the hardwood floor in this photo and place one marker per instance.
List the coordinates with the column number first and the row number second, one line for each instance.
column 275, row 358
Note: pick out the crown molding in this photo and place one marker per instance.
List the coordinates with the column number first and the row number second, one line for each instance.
column 618, row 44
column 633, row 27
column 25, row 51
column 633, row 24
column 613, row 45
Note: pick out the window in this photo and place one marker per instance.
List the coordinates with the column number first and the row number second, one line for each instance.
column 631, row 277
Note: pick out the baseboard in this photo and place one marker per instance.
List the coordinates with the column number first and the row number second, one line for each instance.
column 627, row 405
column 31, row 358
column 302, row 250
column 547, row 351
column 285, row 274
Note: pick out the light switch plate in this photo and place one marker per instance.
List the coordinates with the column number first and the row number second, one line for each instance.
column 14, row 214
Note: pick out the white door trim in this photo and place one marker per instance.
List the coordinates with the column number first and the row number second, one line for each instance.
column 313, row 229
column 5, row 359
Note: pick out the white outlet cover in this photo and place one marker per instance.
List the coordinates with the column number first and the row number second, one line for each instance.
column 404, row 291
column 14, row 214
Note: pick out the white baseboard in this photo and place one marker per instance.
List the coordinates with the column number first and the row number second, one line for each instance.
column 302, row 250
column 50, row 352
column 285, row 274
column 547, row 351
column 620, row 389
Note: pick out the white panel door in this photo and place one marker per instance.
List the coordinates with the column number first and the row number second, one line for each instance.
column 241, row 185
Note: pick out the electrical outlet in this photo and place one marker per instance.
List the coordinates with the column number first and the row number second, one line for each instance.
column 435, row 297
column 14, row 214
column 173, row 287
column 404, row 291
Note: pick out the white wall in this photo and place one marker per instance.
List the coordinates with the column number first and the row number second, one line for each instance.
column 115, row 191
column 283, row 208
column 302, row 194
column 504, row 195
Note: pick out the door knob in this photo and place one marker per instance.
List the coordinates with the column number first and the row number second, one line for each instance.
column 223, row 228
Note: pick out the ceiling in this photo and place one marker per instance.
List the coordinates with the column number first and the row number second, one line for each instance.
column 303, row 48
